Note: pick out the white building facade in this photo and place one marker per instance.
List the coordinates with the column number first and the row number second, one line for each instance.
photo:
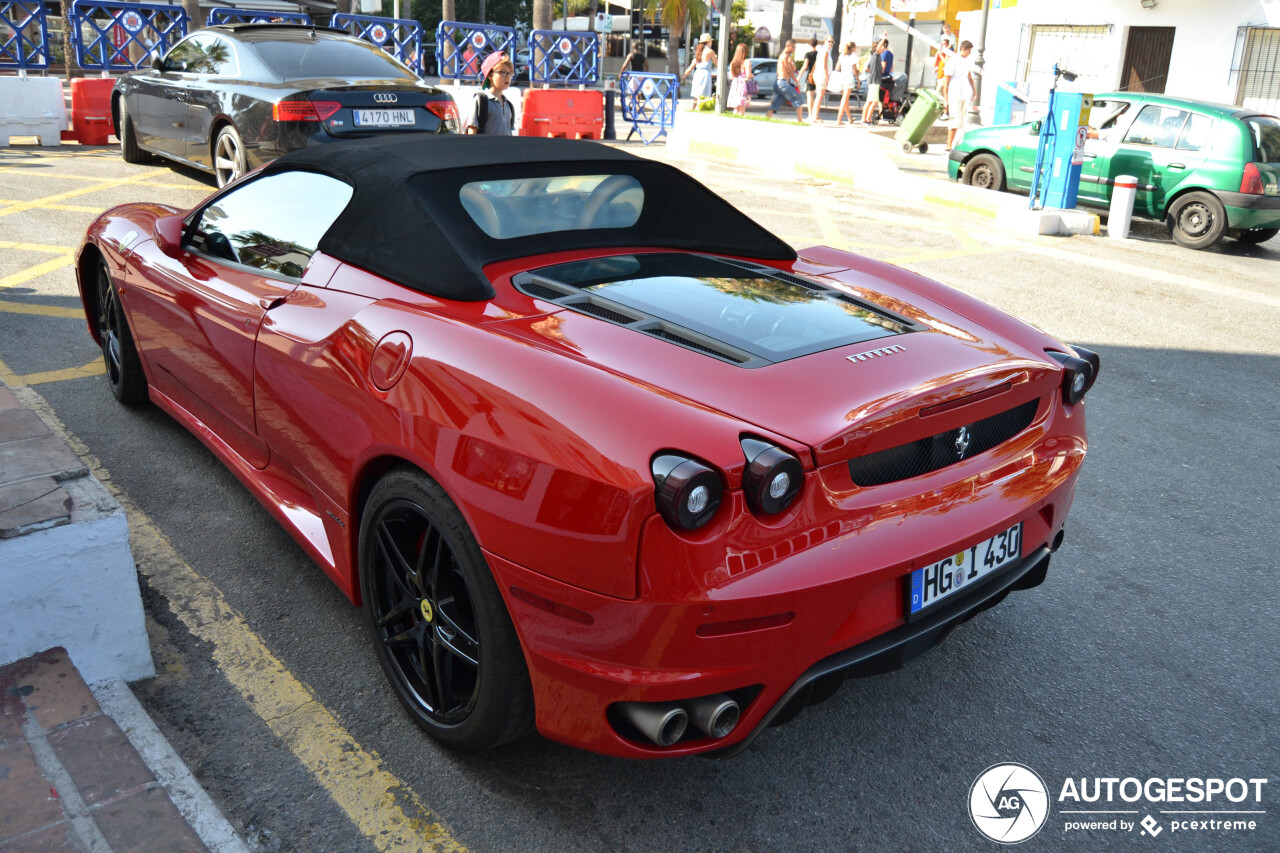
column 1226, row 51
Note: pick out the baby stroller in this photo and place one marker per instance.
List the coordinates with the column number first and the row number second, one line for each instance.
column 894, row 99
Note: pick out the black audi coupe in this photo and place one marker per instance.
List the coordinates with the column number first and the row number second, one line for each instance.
column 231, row 97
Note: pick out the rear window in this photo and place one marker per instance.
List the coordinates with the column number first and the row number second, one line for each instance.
column 524, row 206
column 326, row 57
column 1265, row 131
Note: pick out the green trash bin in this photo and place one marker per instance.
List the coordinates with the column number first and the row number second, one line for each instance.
column 924, row 112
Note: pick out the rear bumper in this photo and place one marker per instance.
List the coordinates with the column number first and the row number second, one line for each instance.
column 1247, row 211
column 840, row 575
column 896, row 648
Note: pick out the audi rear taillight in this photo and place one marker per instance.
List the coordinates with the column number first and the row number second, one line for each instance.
column 304, row 110
column 446, row 111
column 1251, row 182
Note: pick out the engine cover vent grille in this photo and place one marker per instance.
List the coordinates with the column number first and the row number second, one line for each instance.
column 939, row 451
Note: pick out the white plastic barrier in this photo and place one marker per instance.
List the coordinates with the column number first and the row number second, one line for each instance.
column 464, row 97
column 32, row 106
column 1121, row 215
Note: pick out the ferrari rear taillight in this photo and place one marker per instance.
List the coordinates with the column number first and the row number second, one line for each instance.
column 1251, row 181
column 304, row 110
column 688, row 492
column 772, row 478
column 1079, row 372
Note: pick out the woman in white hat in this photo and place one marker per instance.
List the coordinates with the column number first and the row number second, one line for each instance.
column 703, row 67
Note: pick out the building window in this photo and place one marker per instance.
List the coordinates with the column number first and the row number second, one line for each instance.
column 1086, row 51
column 1258, row 70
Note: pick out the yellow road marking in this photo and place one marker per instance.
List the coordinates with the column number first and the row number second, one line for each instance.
column 41, row 310
column 77, row 208
column 93, row 368
column 36, row 271
column 381, row 806
column 821, row 212
column 35, row 247
column 99, row 186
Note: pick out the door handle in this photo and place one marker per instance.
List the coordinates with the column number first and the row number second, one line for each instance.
column 1089, row 156
column 268, row 304
column 1177, row 167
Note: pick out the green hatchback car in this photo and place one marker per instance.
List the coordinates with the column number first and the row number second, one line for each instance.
column 1207, row 170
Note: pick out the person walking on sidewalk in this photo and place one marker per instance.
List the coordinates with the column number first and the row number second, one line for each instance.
column 740, row 72
column 845, row 81
column 703, row 68
column 821, row 78
column 940, row 57
column 875, row 70
column 958, row 91
column 806, row 74
column 784, row 86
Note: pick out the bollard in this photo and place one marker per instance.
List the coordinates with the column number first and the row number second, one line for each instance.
column 609, row 131
column 1123, row 193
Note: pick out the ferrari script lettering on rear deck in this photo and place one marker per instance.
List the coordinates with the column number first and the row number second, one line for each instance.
column 876, row 353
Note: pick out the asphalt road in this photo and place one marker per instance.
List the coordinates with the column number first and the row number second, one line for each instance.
column 1148, row 652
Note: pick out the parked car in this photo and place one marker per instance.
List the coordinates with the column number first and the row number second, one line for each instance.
column 766, row 72
column 595, row 451
column 1207, row 170
column 229, row 98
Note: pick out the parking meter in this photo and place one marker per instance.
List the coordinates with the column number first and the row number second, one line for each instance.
column 1060, row 154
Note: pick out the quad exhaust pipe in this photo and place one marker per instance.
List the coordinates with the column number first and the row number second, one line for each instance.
column 665, row 723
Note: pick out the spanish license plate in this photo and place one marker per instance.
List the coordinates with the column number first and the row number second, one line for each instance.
column 945, row 578
column 384, row 118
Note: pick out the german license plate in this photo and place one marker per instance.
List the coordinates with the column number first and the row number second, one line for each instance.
column 945, row 578
column 384, row 118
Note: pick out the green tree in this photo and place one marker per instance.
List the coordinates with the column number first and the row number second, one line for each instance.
column 675, row 16
column 507, row 13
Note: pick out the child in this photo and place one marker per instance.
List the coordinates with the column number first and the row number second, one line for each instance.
column 491, row 112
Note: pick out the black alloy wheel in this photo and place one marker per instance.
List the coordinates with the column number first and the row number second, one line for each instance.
column 124, row 368
column 441, row 630
column 130, row 150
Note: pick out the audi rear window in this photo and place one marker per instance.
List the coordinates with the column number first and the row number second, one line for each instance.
column 297, row 59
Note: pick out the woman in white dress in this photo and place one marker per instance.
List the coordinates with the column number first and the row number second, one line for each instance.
column 845, row 81
column 740, row 73
column 702, row 68
column 821, row 78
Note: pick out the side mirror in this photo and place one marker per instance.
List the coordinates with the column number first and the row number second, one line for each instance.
column 157, row 63
column 1035, row 128
column 169, row 234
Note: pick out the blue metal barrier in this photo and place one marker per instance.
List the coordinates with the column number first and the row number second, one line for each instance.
column 400, row 37
column 461, row 47
column 557, row 56
column 103, row 31
column 649, row 102
column 228, row 15
column 19, row 47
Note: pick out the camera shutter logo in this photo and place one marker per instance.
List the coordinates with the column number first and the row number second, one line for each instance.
column 1008, row 803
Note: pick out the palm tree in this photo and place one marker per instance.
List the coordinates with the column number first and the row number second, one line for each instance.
column 788, row 12
column 676, row 15
column 542, row 14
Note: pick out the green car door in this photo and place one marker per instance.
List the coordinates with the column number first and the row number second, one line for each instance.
column 1108, row 122
column 1162, row 146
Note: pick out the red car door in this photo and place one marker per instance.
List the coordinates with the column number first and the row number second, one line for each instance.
column 198, row 314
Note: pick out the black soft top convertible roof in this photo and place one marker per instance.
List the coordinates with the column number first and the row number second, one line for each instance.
column 405, row 221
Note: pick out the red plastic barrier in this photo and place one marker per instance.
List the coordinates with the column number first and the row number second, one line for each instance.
column 568, row 113
column 91, row 109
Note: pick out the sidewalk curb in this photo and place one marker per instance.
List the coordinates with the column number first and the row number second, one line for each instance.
column 195, row 805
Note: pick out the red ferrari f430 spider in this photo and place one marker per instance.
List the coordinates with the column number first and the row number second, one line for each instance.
column 597, row 453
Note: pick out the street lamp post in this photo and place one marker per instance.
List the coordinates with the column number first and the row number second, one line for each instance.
column 974, row 116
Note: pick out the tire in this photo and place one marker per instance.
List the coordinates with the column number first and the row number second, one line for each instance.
column 1254, row 236
column 907, row 148
column 124, row 369
column 228, row 156
column 442, row 632
column 923, row 148
column 130, row 150
column 1197, row 220
column 985, row 171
